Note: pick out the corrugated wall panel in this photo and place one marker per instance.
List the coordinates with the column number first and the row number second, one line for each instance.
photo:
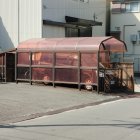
column 30, row 23
column 19, row 20
column 8, row 24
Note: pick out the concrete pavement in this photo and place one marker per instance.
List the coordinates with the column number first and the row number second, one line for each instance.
column 118, row 120
column 22, row 101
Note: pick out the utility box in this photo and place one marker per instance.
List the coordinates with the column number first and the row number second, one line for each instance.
column 133, row 38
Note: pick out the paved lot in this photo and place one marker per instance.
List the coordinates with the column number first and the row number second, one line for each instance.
column 22, row 101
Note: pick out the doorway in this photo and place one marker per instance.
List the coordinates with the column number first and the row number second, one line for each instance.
column 78, row 32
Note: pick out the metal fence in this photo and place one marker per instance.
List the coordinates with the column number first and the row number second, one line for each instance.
column 118, row 78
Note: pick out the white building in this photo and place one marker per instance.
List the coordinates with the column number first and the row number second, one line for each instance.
column 19, row 20
column 125, row 24
column 24, row 19
column 74, row 18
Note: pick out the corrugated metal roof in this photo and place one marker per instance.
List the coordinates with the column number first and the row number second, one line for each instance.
column 74, row 43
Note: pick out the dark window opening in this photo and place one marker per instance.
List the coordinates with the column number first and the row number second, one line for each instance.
column 115, row 34
column 78, row 32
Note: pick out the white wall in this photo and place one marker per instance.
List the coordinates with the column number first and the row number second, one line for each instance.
column 125, row 22
column 53, row 31
column 19, row 20
column 56, row 10
column 30, row 15
column 8, row 24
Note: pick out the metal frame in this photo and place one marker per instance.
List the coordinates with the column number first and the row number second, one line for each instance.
column 54, row 67
column 78, row 67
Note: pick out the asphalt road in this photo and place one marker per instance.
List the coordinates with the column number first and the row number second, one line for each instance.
column 117, row 120
column 22, row 101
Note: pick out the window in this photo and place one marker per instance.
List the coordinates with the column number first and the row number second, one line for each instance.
column 116, row 8
column 78, row 32
column 85, row 1
column 126, row 7
column 132, row 7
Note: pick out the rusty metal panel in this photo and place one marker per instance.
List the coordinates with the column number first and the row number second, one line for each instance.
column 104, row 58
column 42, row 58
column 128, row 75
column 89, row 59
column 66, row 59
column 114, row 45
column 23, row 58
column 74, row 44
column 44, row 74
column 89, row 76
column 2, row 59
column 67, row 75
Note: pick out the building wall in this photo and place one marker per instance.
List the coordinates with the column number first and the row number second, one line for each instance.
column 8, row 24
column 57, row 10
column 22, row 19
column 128, row 24
column 53, row 31
column 19, row 20
column 108, row 2
column 30, row 19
